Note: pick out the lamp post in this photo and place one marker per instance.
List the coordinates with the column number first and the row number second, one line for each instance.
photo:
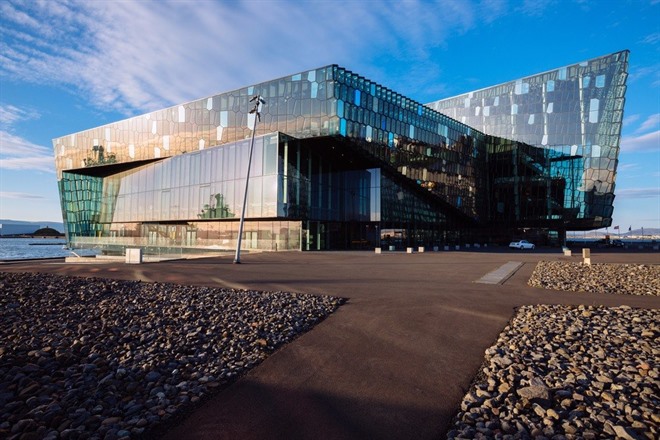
column 258, row 102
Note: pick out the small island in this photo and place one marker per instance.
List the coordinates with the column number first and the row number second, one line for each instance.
column 46, row 233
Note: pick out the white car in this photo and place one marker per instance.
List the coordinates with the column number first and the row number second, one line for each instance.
column 522, row 244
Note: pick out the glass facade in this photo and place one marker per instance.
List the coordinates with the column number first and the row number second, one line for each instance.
column 570, row 118
column 339, row 162
column 172, row 203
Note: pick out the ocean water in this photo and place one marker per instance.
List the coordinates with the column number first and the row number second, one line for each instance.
column 29, row 248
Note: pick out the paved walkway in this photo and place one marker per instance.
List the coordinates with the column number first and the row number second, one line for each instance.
column 392, row 363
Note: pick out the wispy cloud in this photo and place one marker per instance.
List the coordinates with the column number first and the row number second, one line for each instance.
column 649, row 142
column 18, row 195
column 651, row 123
column 652, row 72
column 627, row 166
column 638, row 193
column 535, row 7
column 652, row 38
column 17, row 153
column 630, row 119
column 10, row 114
column 139, row 56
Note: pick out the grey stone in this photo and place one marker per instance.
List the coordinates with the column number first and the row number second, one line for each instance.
column 588, row 384
column 152, row 376
column 534, row 392
column 111, row 352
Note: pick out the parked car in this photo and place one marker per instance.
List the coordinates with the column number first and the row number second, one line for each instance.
column 521, row 244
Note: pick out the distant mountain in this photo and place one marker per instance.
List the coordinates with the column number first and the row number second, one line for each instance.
column 45, row 224
column 612, row 232
column 645, row 231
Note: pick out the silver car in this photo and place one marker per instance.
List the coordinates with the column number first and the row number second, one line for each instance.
column 521, row 244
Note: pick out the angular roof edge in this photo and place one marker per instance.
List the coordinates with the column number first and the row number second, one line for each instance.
column 626, row 51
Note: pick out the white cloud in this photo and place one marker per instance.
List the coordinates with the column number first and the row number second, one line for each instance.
column 19, row 195
column 17, row 153
column 652, row 38
column 649, row 142
column 34, row 163
column 630, row 119
column 627, row 166
column 10, row 114
column 139, row 56
column 638, row 193
column 651, row 123
column 490, row 10
column 638, row 73
column 535, row 7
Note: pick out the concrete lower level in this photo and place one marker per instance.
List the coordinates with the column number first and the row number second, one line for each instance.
column 392, row 363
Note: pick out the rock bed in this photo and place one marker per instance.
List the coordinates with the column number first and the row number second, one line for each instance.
column 630, row 279
column 568, row 372
column 103, row 359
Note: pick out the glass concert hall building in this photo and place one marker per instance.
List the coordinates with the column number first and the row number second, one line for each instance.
column 341, row 162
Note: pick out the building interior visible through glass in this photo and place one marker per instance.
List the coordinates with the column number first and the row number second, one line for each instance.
column 341, row 162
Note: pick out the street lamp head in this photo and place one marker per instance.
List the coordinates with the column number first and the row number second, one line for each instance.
column 259, row 98
column 257, row 105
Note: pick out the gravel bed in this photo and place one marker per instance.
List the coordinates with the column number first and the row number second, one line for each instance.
column 630, row 279
column 568, row 372
column 104, row 359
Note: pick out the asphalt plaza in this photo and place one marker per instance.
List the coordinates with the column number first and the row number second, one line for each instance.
column 393, row 362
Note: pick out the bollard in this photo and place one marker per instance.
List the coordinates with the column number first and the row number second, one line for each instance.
column 378, row 250
column 420, row 249
column 133, row 256
column 409, row 250
column 586, row 256
column 567, row 252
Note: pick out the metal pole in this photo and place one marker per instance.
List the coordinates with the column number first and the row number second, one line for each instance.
column 255, row 110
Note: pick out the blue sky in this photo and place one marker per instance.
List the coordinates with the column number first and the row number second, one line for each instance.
column 66, row 66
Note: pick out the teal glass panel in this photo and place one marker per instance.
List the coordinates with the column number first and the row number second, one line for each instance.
column 270, row 155
column 578, row 109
